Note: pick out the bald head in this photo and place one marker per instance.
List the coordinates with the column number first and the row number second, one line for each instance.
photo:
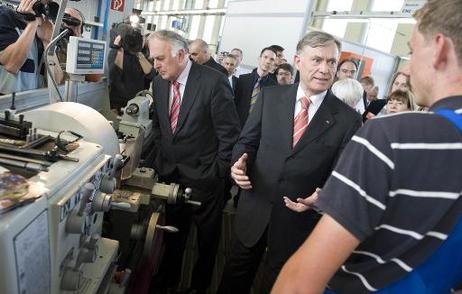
column 77, row 30
column 199, row 51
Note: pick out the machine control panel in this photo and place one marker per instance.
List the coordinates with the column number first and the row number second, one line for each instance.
column 85, row 56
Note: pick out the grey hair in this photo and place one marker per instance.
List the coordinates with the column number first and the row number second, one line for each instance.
column 176, row 41
column 349, row 91
column 317, row 39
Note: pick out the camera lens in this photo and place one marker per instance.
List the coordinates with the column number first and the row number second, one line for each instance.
column 39, row 8
column 50, row 10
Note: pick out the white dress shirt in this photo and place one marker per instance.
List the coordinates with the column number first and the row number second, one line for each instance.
column 230, row 79
column 316, row 101
column 360, row 106
column 182, row 79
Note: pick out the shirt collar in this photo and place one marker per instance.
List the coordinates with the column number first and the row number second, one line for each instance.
column 257, row 76
column 316, row 100
column 183, row 77
column 452, row 102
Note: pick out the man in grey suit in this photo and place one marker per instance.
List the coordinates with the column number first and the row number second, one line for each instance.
column 195, row 126
column 288, row 147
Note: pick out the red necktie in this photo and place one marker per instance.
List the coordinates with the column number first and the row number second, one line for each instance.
column 301, row 120
column 175, row 109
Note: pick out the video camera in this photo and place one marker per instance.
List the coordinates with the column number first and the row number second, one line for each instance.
column 49, row 9
column 131, row 38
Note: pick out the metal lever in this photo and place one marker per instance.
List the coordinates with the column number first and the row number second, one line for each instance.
column 169, row 229
column 192, row 202
column 121, row 205
column 187, row 195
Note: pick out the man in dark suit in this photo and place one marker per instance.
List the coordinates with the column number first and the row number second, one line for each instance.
column 287, row 148
column 249, row 85
column 229, row 62
column 199, row 53
column 195, row 126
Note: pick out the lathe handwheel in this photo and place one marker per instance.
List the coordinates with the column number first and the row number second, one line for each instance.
column 150, row 234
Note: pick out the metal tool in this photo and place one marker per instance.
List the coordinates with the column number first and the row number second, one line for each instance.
column 25, row 159
column 27, row 165
column 51, row 155
column 37, row 142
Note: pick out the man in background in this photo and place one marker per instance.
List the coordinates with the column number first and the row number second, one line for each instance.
column 279, row 54
column 249, row 85
column 239, row 55
column 229, row 63
column 347, row 69
column 199, row 52
column 284, row 74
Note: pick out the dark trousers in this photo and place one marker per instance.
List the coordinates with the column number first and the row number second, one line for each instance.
column 227, row 190
column 207, row 219
column 242, row 265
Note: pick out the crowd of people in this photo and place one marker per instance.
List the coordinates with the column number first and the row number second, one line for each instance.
column 340, row 191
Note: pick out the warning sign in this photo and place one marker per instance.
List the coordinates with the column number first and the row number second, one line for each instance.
column 118, row 5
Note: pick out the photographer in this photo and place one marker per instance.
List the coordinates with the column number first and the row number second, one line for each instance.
column 74, row 21
column 23, row 36
column 128, row 66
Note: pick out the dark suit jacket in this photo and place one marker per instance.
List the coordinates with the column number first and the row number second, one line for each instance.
column 243, row 92
column 234, row 82
column 276, row 169
column 216, row 66
column 199, row 151
column 374, row 107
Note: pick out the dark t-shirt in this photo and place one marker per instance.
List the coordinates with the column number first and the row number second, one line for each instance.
column 125, row 84
column 397, row 189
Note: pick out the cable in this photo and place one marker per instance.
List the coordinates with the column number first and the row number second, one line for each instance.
column 47, row 51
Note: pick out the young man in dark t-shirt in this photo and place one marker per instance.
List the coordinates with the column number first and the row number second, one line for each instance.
column 393, row 201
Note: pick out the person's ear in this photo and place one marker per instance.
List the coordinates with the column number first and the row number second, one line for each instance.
column 441, row 46
column 297, row 61
column 181, row 54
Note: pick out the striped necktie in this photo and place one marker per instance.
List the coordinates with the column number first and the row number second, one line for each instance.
column 255, row 92
column 175, row 109
column 301, row 120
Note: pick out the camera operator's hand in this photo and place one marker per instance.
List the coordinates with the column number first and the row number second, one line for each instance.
column 144, row 62
column 45, row 31
column 118, row 42
column 25, row 6
column 119, row 59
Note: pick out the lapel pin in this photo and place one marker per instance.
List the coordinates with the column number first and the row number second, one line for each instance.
column 327, row 122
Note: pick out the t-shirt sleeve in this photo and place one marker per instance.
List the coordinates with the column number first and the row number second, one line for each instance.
column 355, row 194
column 8, row 33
